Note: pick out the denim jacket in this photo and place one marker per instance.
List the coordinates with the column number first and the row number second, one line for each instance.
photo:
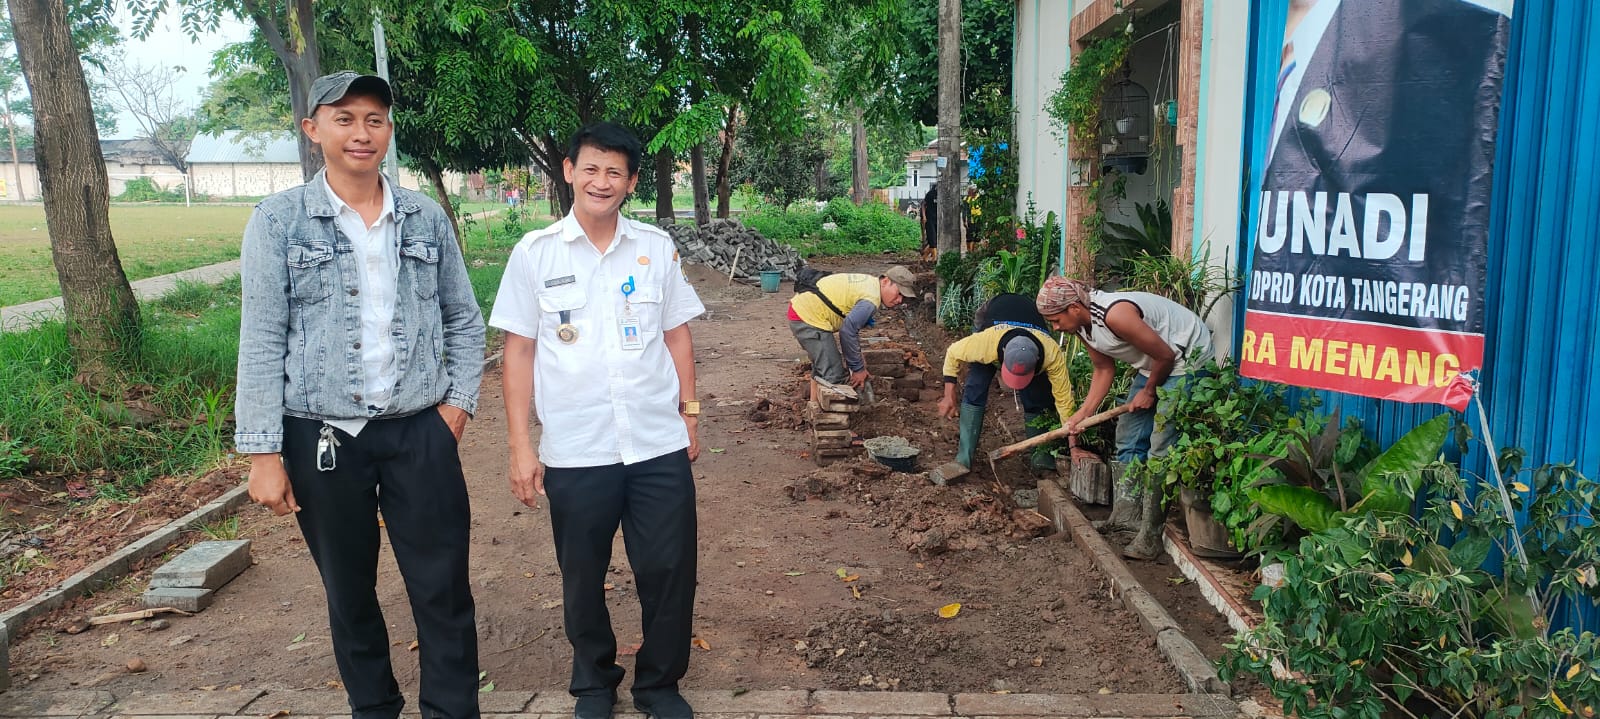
column 300, row 330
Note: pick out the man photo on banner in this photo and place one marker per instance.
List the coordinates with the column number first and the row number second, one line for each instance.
column 596, row 310
column 1373, row 221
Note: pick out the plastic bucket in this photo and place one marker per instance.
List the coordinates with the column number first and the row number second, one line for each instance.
column 770, row 280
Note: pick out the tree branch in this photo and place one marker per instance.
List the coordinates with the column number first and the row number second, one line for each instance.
column 269, row 29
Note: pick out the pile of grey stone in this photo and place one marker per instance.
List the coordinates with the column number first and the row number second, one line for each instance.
column 190, row 581
column 720, row 242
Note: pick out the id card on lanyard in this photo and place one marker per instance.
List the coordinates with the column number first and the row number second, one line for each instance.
column 628, row 326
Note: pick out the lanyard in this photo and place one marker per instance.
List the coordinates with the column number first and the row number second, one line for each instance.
column 627, row 293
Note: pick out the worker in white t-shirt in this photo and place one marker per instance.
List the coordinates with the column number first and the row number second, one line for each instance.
column 1166, row 343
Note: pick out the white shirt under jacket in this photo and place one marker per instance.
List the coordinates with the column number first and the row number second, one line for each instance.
column 377, row 251
column 599, row 404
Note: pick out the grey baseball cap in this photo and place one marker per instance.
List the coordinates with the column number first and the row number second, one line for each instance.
column 330, row 89
column 1019, row 359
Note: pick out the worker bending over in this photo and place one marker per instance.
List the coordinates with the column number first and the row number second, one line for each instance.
column 1009, row 337
column 842, row 304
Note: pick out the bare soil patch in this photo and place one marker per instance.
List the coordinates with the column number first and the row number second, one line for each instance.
column 52, row 527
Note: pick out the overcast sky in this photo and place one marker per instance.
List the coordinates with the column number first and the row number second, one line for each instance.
column 169, row 46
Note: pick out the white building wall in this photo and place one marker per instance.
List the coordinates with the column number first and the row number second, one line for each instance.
column 243, row 179
column 1219, row 190
column 166, row 177
column 1042, row 53
column 30, row 183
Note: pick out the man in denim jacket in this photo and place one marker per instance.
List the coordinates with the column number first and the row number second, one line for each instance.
column 360, row 353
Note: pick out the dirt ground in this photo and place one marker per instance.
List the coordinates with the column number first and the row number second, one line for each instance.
column 779, row 537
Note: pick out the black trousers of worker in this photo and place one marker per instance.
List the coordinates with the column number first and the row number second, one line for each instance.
column 409, row 468
column 1036, row 397
column 653, row 501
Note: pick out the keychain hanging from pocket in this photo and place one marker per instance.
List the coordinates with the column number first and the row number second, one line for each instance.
column 327, row 449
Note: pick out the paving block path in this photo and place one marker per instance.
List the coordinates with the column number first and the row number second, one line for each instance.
column 26, row 316
column 708, row 703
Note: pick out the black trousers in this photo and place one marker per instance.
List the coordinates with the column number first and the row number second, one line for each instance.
column 409, row 468
column 1036, row 397
column 653, row 501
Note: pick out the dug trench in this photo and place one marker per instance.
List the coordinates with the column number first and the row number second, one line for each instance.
column 809, row 577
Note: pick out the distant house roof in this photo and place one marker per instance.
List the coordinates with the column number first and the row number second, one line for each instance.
column 132, row 152
column 24, row 155
column 233, row 146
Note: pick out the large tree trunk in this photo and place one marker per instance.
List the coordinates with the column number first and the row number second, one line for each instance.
column 297, row 50
column 102, row 316
column 548, row 154
column 702, row 199
column 436, row 178
column 950, row 126
column 820, row 179
column 725, row 164
column 860, row 180
column 665, row 215
column 550, row 194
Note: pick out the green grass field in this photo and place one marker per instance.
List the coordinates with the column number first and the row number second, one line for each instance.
column 151, row 241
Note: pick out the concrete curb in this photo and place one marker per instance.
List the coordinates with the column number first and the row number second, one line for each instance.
column 1239, row 617
column 708, row 703
column 112, row 568
column 1197, row 671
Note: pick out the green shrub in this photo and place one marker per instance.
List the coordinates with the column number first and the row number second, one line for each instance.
column 143, row 189
column 870, row 229
column 1378, row 618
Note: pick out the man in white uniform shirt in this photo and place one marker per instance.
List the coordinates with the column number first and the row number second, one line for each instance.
column 596, row 310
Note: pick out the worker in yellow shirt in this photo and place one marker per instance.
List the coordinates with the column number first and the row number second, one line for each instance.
column 1009, row 338
column 842, row 304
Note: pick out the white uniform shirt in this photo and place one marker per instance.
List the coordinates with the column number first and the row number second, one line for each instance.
column 600, row 404
column 377, row 249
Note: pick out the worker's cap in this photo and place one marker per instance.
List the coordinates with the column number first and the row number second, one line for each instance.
column 904, row 280
column 330, row 89
column 1019, row 359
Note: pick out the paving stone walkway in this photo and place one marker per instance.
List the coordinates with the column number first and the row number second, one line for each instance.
column 17, row 318
column 709, row 704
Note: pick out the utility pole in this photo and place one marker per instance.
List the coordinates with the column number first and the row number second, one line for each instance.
column 950, row 127
column 380, row 51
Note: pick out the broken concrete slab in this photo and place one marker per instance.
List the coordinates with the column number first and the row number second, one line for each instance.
column 207, row 565
column 186, row 599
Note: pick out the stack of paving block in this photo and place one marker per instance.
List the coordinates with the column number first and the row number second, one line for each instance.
column 830, row 422
column 893, row 376
column 189, row 582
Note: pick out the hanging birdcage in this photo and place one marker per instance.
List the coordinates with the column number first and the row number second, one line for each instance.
column 1125, row 126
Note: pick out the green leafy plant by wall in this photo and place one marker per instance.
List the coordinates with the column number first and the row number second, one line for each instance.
column 1378, row 618
column 1075, row 106
column 1195, row 284
column 143, row 189
column 1123, row 242
column 1224, row 426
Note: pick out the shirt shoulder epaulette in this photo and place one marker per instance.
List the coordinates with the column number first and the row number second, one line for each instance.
column 534, row 237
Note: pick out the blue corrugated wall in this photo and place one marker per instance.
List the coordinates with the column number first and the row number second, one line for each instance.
column 1541, row 379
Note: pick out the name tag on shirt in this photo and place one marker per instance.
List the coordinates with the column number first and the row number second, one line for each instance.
column 632, row 338
column 559, row 281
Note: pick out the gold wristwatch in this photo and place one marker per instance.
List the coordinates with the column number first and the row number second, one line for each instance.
column 689, row 408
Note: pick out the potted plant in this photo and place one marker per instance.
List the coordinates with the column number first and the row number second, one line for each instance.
column 1223, row 428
